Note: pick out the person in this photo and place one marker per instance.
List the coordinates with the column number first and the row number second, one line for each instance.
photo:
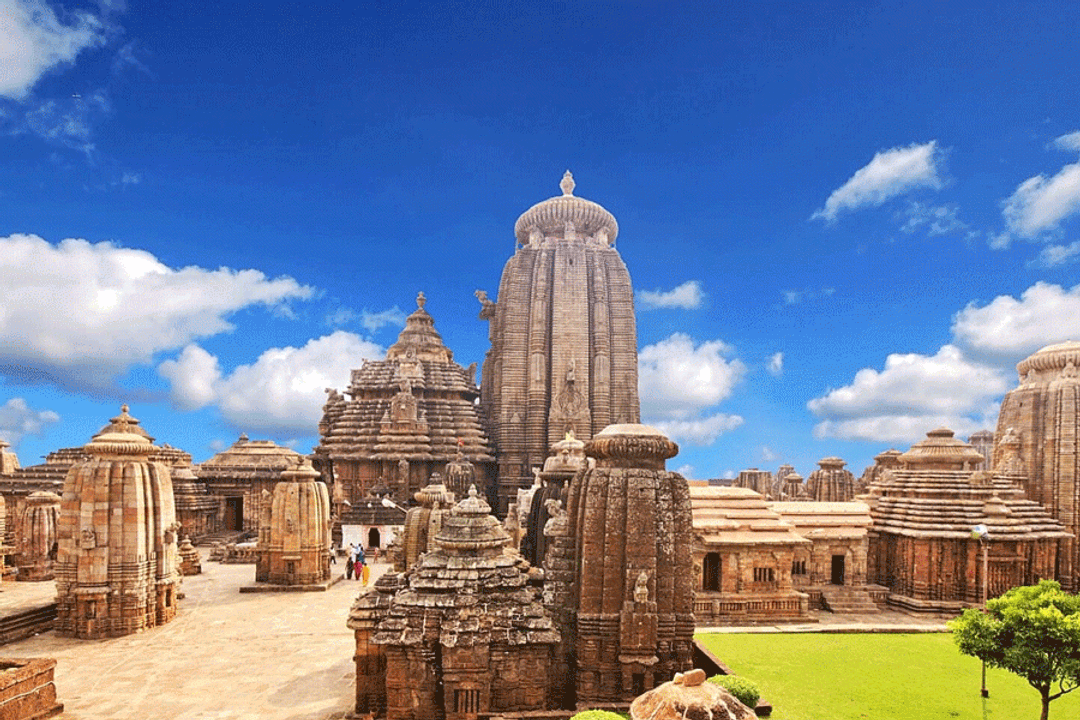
column 360, row 564
column 349, row 561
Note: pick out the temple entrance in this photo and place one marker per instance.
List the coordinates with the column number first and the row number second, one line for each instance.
column 234, row 513
column 838, row 569
column 710, row 581
column 373, row 538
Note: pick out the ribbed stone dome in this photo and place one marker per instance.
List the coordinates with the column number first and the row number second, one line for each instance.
column 1051, row 357
column 941, row 450
column 551, row 215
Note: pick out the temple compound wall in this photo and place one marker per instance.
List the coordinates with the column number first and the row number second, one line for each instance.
column 117, row 568
column 563, row 338
column 405, row 418
column 1038, row 435
column 921, row 545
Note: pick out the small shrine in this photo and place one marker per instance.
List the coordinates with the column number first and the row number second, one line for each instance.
column 36, row 543
column 117, row 567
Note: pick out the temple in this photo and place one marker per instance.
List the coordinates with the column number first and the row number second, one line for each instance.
column 406, row 417
column 563, row 337
column 1039, row 429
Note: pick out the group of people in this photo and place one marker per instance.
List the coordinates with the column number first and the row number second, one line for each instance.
column 356, row 564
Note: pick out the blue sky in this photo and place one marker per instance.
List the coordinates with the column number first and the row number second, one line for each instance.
column 845, row 222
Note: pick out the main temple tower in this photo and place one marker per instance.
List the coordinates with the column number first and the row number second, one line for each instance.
column 563, row 338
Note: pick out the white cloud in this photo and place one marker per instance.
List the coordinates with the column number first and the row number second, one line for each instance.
column 79, row 314
column 794, row 297
column 679, row 383
column 18, row 420
column 1071, row 141
column 776, row 364
column 1040, row 204
column 935, row 219
column 767, row 454
column 890, row 173
column 698, row 431
column 282, row 392
column 913, row 394
column 688, row 296
column 678, row 380
column 687, row 471
column 1054, row 255
column 1007, row 329
column 34, row 40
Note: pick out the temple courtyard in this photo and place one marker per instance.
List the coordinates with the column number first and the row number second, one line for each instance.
column 231, row 655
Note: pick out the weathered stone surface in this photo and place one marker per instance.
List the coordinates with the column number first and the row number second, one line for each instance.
column 461, row 633
column 406, row 417
column 27, row 691
column 921, row 544
column 294, row 536
column 117, row 568
column 36, row 542
column 563, row 337
column 874, row 474
column 760, row 481
column 689, row 697
column 633, row 593
column 830, row 482
column 238, row 476
column 1038, row 433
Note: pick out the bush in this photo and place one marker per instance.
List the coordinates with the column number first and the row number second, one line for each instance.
column 598, row 715
column 745, row 691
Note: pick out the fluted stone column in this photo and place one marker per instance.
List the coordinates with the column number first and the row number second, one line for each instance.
column 36, row 544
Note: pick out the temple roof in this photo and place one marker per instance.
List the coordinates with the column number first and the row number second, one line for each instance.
column 826, row 520
column 1051, row 357
column 941, row 450
column 551, row 216
column 249, row 459
column 122, row 435
column 419, row 338
column 738, row 516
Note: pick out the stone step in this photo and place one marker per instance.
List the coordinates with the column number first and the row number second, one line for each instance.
column 847, row 600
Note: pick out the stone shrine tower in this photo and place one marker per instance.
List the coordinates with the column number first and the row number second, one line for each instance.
column 35, row 545
column 830, row 482
column 631, row 528
column 1044, row 415
column 563, row 337
column 406, row 417
column 294, row 548
column 117, row 568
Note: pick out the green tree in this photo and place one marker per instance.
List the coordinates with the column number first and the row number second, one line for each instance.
column 1032, row 631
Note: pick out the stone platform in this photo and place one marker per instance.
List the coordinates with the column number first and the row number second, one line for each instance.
column 226, row 656
column 261, row 587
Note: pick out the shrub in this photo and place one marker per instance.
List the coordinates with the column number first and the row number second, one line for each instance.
column 745, row 691
column 598, row 715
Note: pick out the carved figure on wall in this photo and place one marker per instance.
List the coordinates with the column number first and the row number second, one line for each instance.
column 641, row 588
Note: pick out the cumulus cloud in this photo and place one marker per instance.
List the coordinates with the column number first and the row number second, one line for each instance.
column 679, row 382
column 17, row 420
column 698, row 431
column 281, row 393
column 688, row 296
column 775, row 365
column 33, row 40
column 375, row 321
column 890, row 173
column 767, row 454
column 912, row 394
column 1040, row 204
column 1071, row 141
column 78, row 314
column 1006, row 329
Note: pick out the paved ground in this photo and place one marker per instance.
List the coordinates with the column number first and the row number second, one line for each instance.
column 271, row 656
column 227, row 655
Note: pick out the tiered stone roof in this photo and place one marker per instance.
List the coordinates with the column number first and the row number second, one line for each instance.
column 379, row 421
column 934, row 493
column 249, row 460
column 826, row 520
column 739, row 516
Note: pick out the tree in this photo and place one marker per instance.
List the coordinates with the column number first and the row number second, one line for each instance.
column 1032, row 631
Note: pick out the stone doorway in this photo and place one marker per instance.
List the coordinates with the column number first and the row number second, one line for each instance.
column 373, row 538
column 234, row 513
column 710, row 581
column 838, row 569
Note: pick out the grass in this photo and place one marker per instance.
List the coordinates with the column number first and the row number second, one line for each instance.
column 850, row 676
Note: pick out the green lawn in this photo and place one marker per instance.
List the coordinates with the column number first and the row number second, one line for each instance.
column 851, row 676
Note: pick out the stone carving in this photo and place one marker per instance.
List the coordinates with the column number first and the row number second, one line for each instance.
column 116, row 572
column 36, row 543
column 293, row 550
column 1036, row 437
column 641, row 588
column 563, row 337
column 409, row 415
column 830, row 482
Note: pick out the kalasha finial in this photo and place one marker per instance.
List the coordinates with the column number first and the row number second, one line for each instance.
column 124, row 409
column 420, row 299
column 567, row 183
